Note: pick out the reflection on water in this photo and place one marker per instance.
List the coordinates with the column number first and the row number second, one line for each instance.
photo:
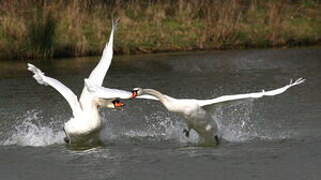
column 144, row 141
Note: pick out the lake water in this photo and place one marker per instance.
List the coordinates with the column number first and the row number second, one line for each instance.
column 269, row 138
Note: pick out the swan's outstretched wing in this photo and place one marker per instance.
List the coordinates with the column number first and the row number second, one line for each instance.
column 62, row 89
column 98, row 74
column 249, row 95
column 107, row 93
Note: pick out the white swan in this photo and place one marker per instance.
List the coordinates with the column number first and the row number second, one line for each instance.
column 86, row 119
column 195, row 111
column 107, row 93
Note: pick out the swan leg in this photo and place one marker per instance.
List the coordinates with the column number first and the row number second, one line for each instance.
column 66, row 138
column 186, row 132
column 217, row 140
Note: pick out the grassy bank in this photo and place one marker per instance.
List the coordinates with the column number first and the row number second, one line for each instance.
column 56, row 28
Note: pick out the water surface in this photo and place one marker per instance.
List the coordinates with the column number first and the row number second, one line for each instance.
column 269, row 138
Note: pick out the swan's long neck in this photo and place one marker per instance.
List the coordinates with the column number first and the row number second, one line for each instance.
column 155, row 93
column 166, row 100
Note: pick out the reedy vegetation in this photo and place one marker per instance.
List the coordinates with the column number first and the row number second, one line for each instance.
column 42, row 29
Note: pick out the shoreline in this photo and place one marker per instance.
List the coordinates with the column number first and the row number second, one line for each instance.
column 166, row 52
column 141, row 51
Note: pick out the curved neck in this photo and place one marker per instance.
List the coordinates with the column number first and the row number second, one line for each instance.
column 162, row 97
column 170, row 103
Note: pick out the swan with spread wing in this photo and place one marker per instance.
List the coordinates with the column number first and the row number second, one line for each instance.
column 86, row 119
column 195, row 111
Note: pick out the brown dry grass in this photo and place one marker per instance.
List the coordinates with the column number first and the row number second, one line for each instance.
column 37, row 29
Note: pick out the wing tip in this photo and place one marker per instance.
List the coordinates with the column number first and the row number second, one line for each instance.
column 297, row 82
column 38, row 74
column 115, row 22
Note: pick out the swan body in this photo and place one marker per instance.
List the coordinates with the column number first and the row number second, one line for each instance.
column 86, row 119
column 195, row 111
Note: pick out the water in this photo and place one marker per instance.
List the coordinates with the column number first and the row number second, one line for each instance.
column 269, row 138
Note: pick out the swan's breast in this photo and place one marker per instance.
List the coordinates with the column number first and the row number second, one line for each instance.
column 86, row 122
column 81, row 126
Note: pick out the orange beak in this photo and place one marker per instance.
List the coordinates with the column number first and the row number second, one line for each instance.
column 119, row 104
column 134, row 94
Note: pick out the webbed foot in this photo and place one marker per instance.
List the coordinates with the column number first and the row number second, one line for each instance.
column 67, row 140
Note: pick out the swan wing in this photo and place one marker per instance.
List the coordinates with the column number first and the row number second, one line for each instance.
column 235, row 97
column 70, row 97
column 108, row 93
column 98, row 74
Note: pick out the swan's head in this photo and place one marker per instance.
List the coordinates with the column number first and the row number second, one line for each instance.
column 117, row 103
column 136, row 92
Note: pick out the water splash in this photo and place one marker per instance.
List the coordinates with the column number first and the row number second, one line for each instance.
column 168, row 128
column 158, row 126
column 236, row 123
column 29, row 131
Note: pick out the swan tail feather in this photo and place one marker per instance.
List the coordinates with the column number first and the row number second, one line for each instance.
column 38, row 74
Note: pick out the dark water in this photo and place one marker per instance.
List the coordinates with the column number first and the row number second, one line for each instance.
column 269, row 138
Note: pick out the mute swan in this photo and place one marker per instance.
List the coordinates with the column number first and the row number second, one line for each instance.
column 106, row 93
column 195, row 111
column 86, row 119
